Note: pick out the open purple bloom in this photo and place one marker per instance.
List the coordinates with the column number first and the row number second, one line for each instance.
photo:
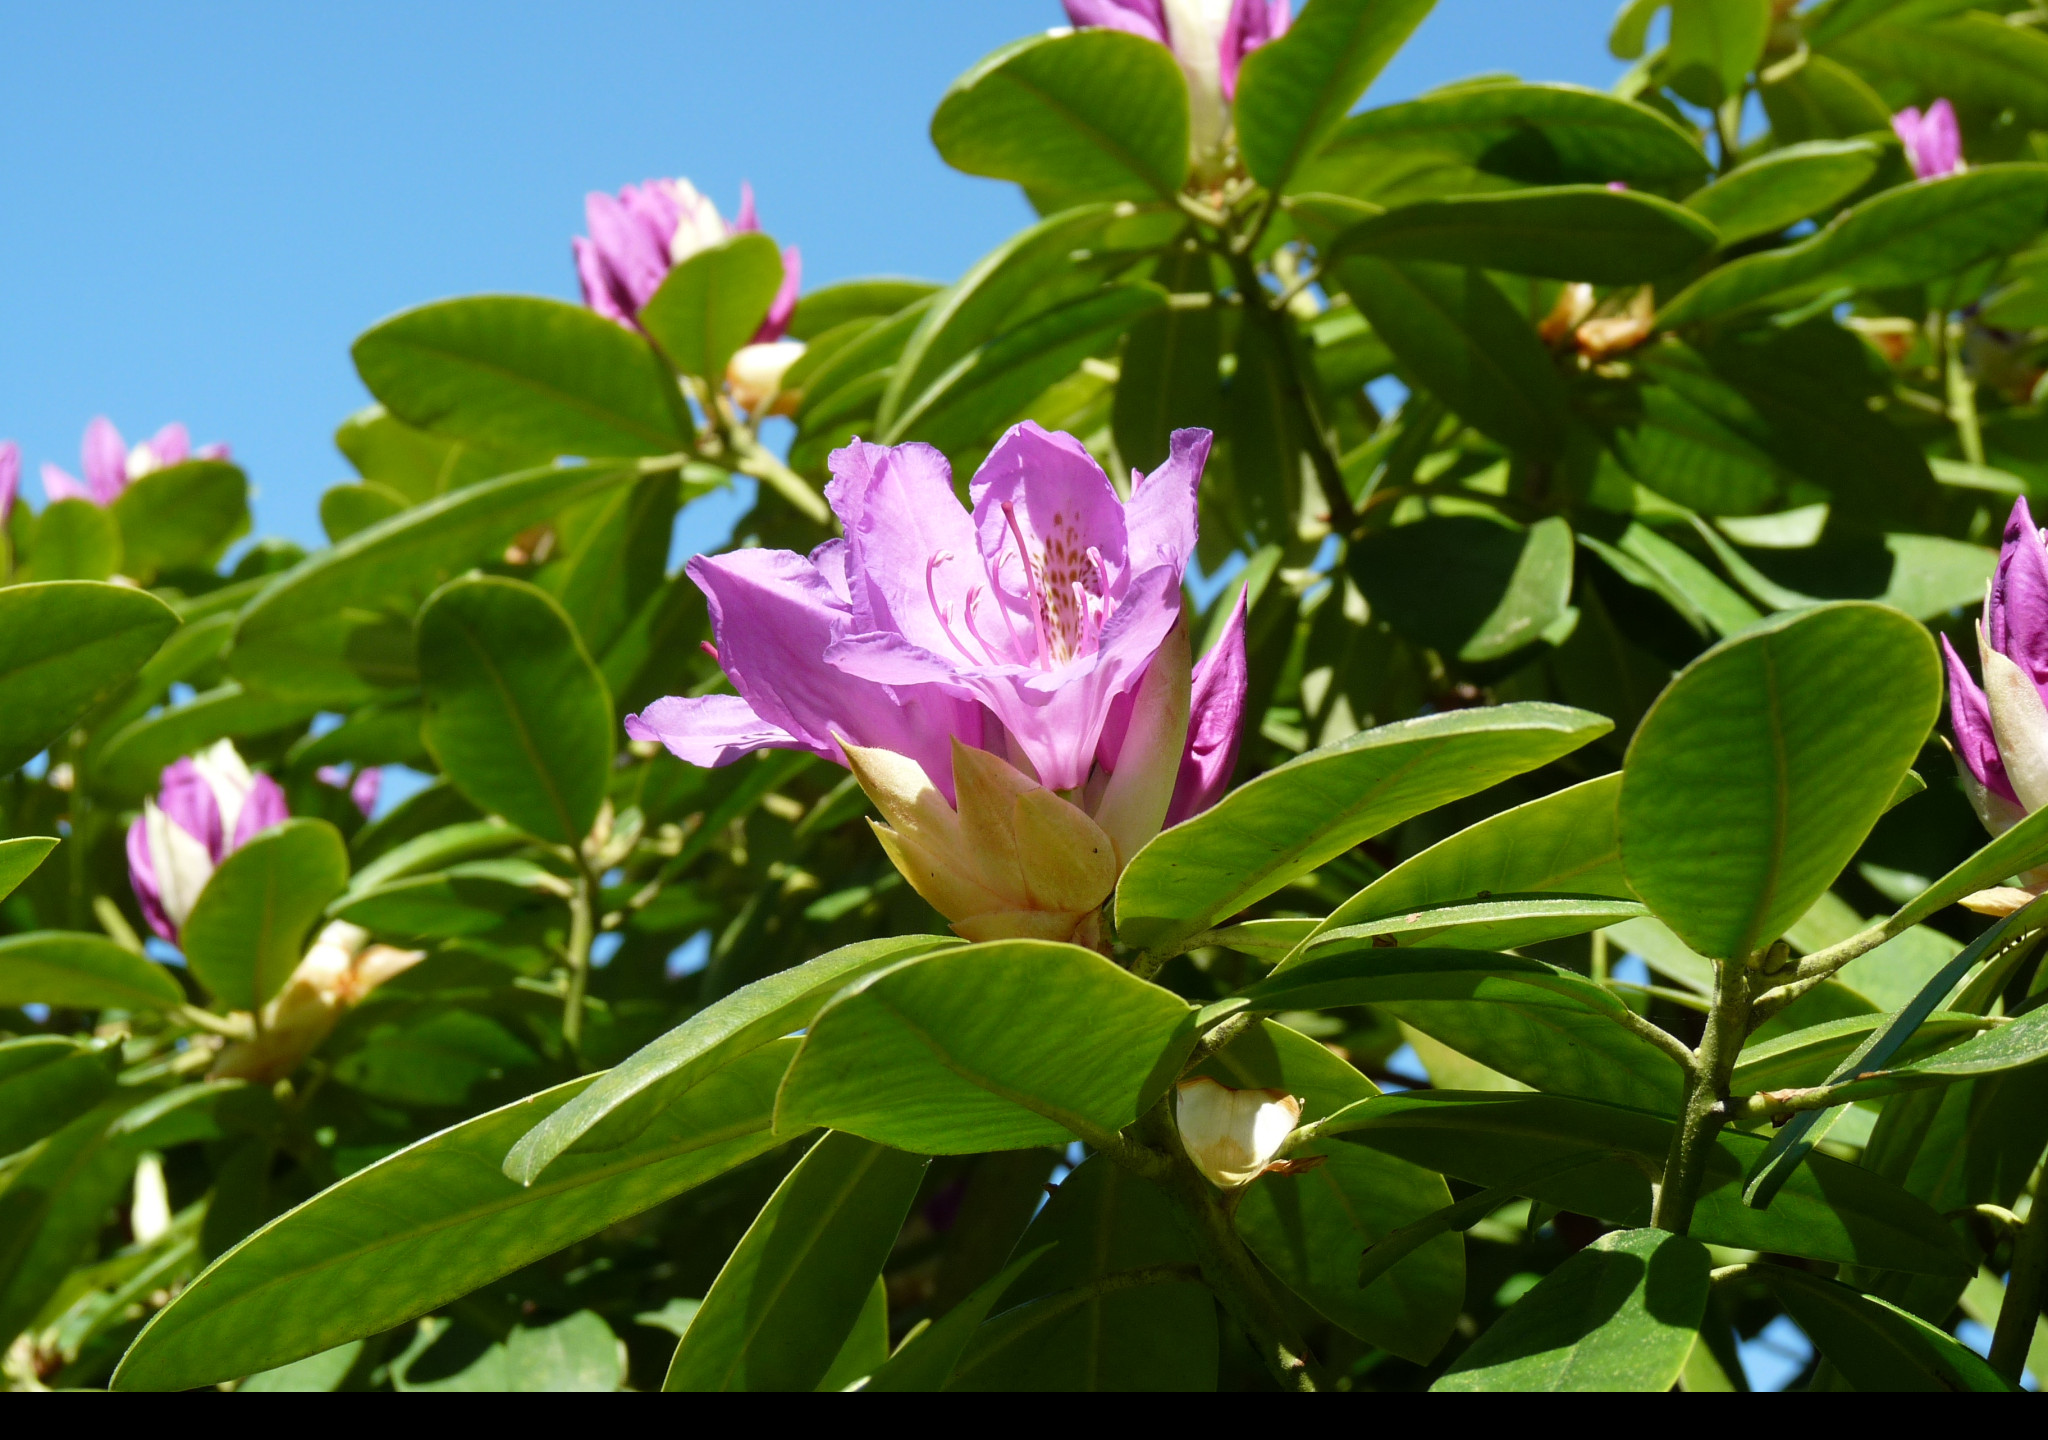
column 1025, row 628
column 209, row 807
column 1933, row 141
column 111, row 467
column 10, row 479
column 1210, row 38
column 646, row 230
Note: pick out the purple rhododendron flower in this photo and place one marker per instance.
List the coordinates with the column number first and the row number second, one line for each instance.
column 111, row 467
column 646, row 230
column 209, row 807
column 10, row 478
column 364, row 789
column 1023, row 628
column 1933, row 141
column 1210, row 38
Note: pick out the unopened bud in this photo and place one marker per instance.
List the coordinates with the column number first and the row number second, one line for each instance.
column 756, row 373
column 339, row 971
column 1234, row 1135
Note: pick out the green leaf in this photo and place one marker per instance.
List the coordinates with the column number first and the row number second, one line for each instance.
column 787, row 1300
column 388, row 452
column 926, row 1359
column 248, row 930
column 1463, row 340
column 1622, row 1314
column 1782, row 187
column 64, row 648
column 576, row 1355
column 432, row 1223
column 1756, row 776
column 1490, row 136
column 1309, row 1228
column 832, row 306
column 1503, row 923
column 359, row 588
column 346, row 510
column 1537, row 1023
column 1471, row 586
column 72, row 970
column 1088, row 114
column 1631, row 31
column 2018, row 850
column 532, row 376
column 46, row 1082
column 1169, row 377
column 1829, row 1210
column 630, row 1097
column 614, row 558
column 1114, row 1305
column 1901, row 237
column 466, row 899
column 20, row 859
column 1294, row 92
column 184, row 516
column 1297, row 818
column 1568, row 843
column 991, row 387
column 75, row 540
column 133, row 758
column 1566, row 232
column 1001, row 1046
column 1714, row 45
column 1875, row 1344
column 867, row 1347
column 1807, row 1057
column 517, row 714
column 1977, row 59
column 713, row 303
column 1822, row 100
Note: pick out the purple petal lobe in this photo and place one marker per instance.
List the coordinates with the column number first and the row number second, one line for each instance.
column 2016, row 617
column 10, row 478
column 1216, row 723
column 709, row 730
column 1136, row 17
column 189, row 803
column 264, row 809
column 58, row 485
column 142, row 878
column 1252, row 23
column 911, row 563
column 1163, row 516
column 783, row 310
column 105, row 456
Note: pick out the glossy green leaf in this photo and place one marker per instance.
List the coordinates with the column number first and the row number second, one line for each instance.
column 1114, row 1305
column 1542, row 1025
column 1503, row 923
column 787, row 1300
column 132, row 761
column 20, row 859
column 1822, row 100
column 361, row 587
column 1782, row 187
column 1088, row 114
column 1875, row 1344
column 64, row 648
column 1714, row 45
column 1829, row 1210
column 74, row 970
column 1000, row 1046
column 1487, row 136
column 1621, row 1315
column 183, row 516
column 1568, row 843
column 1809, row 1056
column 249, row 928
column 1168, row 376
column 388, row 452
column 867, row 1346
column 1977, row 58
column 579, row 1355
column 991, row 387
column 1474, row 350
column 831, row 306
column 346, row 510
column 1292, row 820
column 46, row 1082
column 926, row 1359
column 1308, row 1229
column 1474, row 587
column 1901, row 237
column 713, row 303
column 1757, row 775
column 516, row 712
column 1294, row 92
column 75, row 540
column 432, row 1223
column 626, row 1099
column 435, row 849
column 1566, row 232
column 2014, row 1045
column 472, row 898
column 523, row 374
column 614, row 558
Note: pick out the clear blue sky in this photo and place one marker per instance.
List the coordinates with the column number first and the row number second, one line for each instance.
column 203, row 202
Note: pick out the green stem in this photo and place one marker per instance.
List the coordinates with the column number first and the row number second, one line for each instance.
column 757, row 461
column 1962, row 399
column 582, row 930
column 2023, row 1291
column 1704, row 1113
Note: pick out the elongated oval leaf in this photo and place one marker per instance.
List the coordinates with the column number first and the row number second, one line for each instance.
column 20, row 858
column 625, row 1100
column 1295, row 91
column 713, row 303
column 1504, row 923
column 1622, row 1314
column 133, row 758
column 1783, row 187
column 1468, row 586
column 1002, row 1046
column 1292, row 820
column 66, row 646
column 248, row 931
column 1757, row 775
column 432, row 1223
column 1089, row 115
column 517, row 713
column 532, row 376
column 1567, row 232
column 1875, row 1344
column 181, row 516
column 46, row 1082
column 71, row 970
column 778, row 1313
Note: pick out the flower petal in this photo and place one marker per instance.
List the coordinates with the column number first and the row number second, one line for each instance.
column 58, row 485
column 1216, row 722
column 1062, row 504
column 142, row 878
column 105, row 456
column 263, row 809
column 10, row 478
column 908, row 543
column 708, row 730
column 1135, row 17
column 1252, row 23
column 2016, row 614
column 1164, row 517
column 2020, row 721
column 1970, row 717
column 1143, row 778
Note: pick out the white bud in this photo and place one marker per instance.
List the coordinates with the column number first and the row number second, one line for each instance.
column 1233, row 1135
column 755, row 375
